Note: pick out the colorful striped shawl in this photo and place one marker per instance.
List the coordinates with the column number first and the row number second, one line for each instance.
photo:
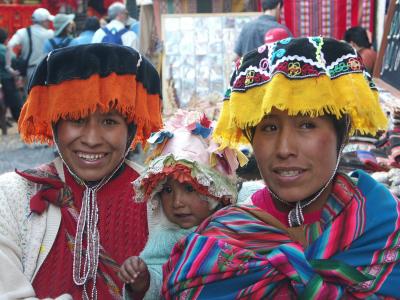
column 352, row 252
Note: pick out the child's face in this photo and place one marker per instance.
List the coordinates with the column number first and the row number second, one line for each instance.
column 182, row 204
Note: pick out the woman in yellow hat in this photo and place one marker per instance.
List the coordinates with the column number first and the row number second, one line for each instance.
column 313, row 232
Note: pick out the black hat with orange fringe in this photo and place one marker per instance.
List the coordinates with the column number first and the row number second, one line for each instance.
column 72, row 82
column 312, row 76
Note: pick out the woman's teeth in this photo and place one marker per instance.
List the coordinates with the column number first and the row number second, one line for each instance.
column 90, row 157
column 289, row 173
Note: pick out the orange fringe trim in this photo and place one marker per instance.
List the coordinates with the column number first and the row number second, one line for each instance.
column 77, row 98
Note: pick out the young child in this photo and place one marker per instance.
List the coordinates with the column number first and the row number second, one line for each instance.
column 187, row 179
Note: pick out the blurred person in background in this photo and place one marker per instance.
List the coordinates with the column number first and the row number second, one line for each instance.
column 134, row 25
column 253, row 33
column 7, row 81
column 103, row 22
column 90, row 27
column 115, row 31
column 63, row 30
column 358, row 37
column 31, row 47
column 275, row 34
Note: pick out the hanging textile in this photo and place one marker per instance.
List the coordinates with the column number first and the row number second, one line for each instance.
column 161, row 7
column 326, row 17
column 55, row 5
column 98, row 6
column 205, row 6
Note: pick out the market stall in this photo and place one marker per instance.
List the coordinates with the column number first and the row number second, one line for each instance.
column 381, row 155
column 198, row 58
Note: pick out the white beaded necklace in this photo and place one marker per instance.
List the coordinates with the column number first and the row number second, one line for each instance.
column 87, row 227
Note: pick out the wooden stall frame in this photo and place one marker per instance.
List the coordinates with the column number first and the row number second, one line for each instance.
column 379, row 61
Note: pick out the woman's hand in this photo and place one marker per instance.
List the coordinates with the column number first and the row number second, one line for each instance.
column 135, row 274
column 62, row 297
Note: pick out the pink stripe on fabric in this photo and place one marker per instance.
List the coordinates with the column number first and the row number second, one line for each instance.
column 390, row 240
column 190, row 249
column 192, row 7
column 349, row 224
column 376, row 268
column 349, row 12
column 218, row 6
column 281, row 263
column 325, row 17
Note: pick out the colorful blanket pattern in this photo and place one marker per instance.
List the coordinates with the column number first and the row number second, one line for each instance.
column 199, row 6
column 352, row 252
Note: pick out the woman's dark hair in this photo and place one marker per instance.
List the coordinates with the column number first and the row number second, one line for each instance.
column 357, row 35
column 3, row 35
column 341, row 127
column 249, row 132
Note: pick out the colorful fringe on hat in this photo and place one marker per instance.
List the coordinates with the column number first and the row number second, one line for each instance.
column 185, row 151
column 312, row 76
column 73, row 82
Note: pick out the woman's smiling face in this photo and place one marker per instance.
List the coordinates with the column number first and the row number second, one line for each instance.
column 93, row 146
column 296, row 155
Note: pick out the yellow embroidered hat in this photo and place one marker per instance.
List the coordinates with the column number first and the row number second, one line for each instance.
column 311, row 76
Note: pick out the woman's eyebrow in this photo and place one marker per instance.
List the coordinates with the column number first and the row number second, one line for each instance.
column 111, row 114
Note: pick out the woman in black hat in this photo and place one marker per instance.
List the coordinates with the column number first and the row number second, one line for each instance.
column 65, row 227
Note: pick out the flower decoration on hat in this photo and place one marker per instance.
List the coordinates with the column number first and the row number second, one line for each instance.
column 159, row 137
column 184, row 150
column 203, row 127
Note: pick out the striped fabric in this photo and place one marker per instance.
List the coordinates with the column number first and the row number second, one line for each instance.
column 303, row 17
column 196, row 6
column 327, row 18
column 218, row 6
column 367, row 13
column 352, row 252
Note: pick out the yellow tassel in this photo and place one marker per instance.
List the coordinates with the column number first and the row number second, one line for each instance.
column 213, row 160
column 347, row 94
column 243, row 160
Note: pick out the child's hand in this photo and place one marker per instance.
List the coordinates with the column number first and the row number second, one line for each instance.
column 135, row 274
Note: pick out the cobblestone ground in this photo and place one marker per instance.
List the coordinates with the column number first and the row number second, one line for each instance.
column 14, row 154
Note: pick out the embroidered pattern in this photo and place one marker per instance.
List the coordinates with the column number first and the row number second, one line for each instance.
column 295, row 64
